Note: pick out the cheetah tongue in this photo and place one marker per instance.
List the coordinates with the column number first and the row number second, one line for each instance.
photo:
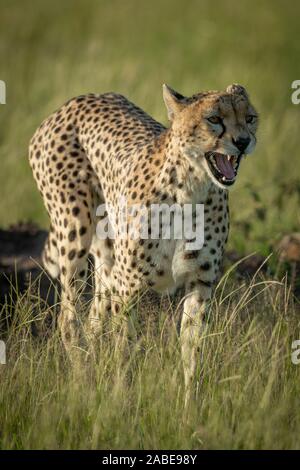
column 224, row 166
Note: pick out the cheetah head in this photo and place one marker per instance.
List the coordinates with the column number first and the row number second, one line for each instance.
column 215, row 128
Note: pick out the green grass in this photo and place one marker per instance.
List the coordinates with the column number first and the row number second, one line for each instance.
column 248, row 398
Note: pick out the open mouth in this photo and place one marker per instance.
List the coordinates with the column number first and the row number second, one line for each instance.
column 223, row 167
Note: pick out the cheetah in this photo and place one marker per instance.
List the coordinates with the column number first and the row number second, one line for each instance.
column 98, row 147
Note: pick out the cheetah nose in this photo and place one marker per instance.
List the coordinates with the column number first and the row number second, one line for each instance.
column 241, row 143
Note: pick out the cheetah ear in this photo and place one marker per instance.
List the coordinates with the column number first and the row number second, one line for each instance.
column 173, row 101
column 237, row 89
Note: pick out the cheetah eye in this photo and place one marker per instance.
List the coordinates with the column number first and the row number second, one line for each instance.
column 250, row 118
column 215, row 120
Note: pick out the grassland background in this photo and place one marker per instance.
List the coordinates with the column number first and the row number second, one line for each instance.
column 53, row 50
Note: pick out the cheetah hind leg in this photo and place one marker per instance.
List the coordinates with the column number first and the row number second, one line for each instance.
column 102, row 252
column 50, row 259
column 70, row 320
column 74, row 246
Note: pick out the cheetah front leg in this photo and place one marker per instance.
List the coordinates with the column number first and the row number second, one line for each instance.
column 192, row 329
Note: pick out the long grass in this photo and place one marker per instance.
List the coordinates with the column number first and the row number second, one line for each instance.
column 246, row 393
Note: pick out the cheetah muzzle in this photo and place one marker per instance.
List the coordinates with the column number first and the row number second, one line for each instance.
column 223, row 167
